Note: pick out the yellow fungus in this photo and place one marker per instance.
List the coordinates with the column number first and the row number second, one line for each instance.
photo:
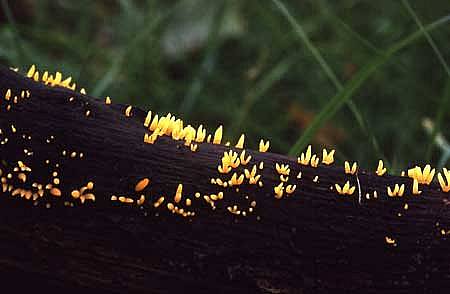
column 107, row 100
column 305, row 157
column 193, row 147
column 263, row 147
column 397, row 191
column 351, row 170
column 381, row 170
column 282, row 169
column 83, row 91
column 31, row 71
column 128, row 111
column 346, row 189
column 148, row 119
column 279, row 191
column 424, row 176
column 218, row 135
column 178, row 193
column 290, row 189
column 314, row 161
column 244, row 160
column 445, row 184
column 327, row 157
column 240, row 143
column 415, row 189
column 141, row 185
column 389, row 240
column 8, row 94
column 55, row 192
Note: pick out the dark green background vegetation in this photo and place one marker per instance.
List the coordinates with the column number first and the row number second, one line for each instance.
column 264, row 67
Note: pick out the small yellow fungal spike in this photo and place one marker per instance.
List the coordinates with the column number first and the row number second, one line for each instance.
column 240, row 143
column 423, row 177
column 128, row 111
column 351, row 170
column 193, row 147
column 8, row 94
column 314, row 161
column 389, row 240
column 397, row 191
column 282, row 169
column 290, row 189
column 415, row 189
column 445, row 184
column 154, row 123
column 218, row 135
column 279, row 191
column 263, row 147
column 55, row 192
column 327, row 157
column 381, row 170
column 177, row 197
column 346, row 189
column 141, row 185
column 31, row 71
column 305, row 158
column 244, row 161
column 83, row 91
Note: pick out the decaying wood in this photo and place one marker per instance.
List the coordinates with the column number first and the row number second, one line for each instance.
column 315, row 241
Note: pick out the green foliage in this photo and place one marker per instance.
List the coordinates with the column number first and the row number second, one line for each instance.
column 356, row 75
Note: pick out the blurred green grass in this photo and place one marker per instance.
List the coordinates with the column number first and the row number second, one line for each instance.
column 266, row 68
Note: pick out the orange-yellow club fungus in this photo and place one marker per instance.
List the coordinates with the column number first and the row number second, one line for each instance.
column 154, row 123
column 8, row 94
column 240, row 143
column 305, row 158
column 346, row 189
column 177, row 197
column 83, row 91
column 193, row 147
column 278, row 191
column 415, row 189
column 141, row 200
column 290, row 189
column 327, row 157
column 445, row 186
column 250, row 174
column 158, row 202
column 142, row 184
column 235, row 180
column 244, row 160
column 148, row 119
column 55, row 192
column 36, row 76
column 107, row 100
column 201, row 134
column 397, row 191
column 390, row 240
column 218, row 135
column 188, row 202
column 349, row 170
column 263, row 147
column 316, row 179
column 254, row 180
column 31, row 71
column 224, row 170
column 381, row 170
column 314, row 161
column 282, row 169
column 423, row 177
column 284, row 178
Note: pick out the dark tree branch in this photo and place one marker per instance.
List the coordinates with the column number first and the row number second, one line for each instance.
column 313, row 241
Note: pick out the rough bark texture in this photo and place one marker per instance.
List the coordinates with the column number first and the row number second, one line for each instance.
column 315, row 241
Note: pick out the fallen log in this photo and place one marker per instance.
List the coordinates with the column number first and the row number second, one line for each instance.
column 103, row 197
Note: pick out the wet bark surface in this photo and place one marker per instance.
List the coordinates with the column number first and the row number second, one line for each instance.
column 314, row 241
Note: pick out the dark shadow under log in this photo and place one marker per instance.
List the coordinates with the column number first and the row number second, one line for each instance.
column 314, row 241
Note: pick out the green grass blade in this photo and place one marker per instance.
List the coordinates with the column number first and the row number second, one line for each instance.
column 355, row 83
column 330, row 73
